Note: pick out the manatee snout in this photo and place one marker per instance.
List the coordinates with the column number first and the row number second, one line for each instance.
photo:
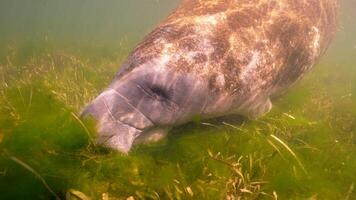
column 142, row 101
column 118, row 123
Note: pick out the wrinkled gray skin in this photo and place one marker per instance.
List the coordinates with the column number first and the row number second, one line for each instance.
column 211, row 58
column 145, row 103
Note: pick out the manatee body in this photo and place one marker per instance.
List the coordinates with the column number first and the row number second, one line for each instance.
column 211, row 58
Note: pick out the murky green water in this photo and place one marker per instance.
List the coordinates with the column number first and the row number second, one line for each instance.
column 57, row 55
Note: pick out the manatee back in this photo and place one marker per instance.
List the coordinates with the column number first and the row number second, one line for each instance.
column 240, row 46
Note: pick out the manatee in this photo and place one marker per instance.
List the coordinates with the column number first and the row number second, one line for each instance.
column 211, row 58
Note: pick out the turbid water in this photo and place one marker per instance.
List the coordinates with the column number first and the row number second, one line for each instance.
column 57, row 55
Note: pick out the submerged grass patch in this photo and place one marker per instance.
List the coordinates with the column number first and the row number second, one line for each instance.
column 303, row 149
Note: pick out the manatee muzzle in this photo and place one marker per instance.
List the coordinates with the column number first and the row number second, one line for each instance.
column 118, row 122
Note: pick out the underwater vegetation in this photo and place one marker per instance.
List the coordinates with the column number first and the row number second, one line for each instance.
column 303, row 149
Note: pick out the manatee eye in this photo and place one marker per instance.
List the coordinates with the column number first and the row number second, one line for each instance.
column 160, row 93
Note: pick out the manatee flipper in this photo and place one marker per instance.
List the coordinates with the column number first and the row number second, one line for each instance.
column 151, row 136
column 259, row 109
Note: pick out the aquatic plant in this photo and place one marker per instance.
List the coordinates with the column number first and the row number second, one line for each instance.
column 303, row 149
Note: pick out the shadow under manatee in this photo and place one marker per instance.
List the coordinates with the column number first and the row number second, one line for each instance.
column 208, row 124
column 192, row 135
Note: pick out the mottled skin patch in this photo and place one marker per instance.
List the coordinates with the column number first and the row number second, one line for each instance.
column 219, row 57
column 285, row 37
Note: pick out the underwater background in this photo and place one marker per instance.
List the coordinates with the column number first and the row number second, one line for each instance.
column 55, row 56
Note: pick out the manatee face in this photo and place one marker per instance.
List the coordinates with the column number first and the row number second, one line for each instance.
column 142, row 100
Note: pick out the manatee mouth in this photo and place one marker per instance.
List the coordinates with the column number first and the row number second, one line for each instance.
column 118, row 122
